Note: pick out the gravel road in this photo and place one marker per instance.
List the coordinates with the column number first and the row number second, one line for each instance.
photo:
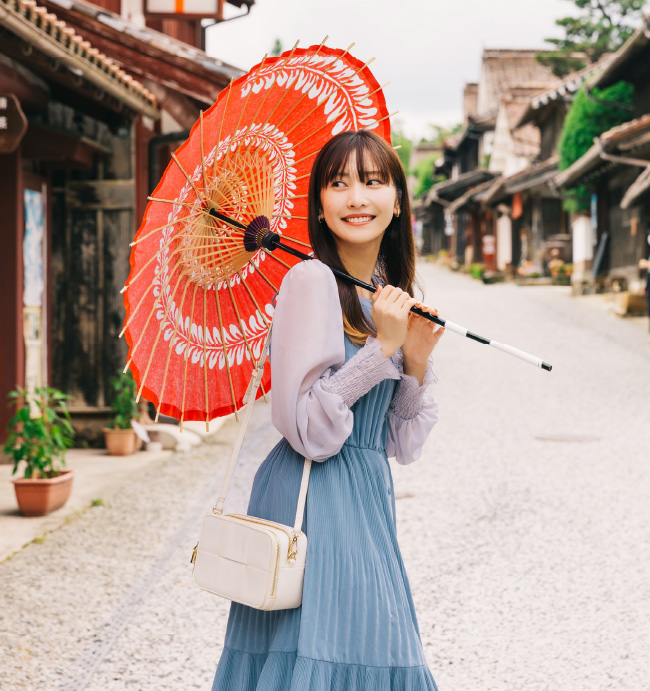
column 525, row 526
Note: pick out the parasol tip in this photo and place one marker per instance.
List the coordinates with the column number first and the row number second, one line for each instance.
column 546, row 366
column 126, row 286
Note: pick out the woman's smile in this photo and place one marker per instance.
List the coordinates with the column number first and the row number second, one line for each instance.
column 367, row 203
column 358, row 219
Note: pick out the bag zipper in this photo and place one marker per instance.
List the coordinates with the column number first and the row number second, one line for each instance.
column 292, row 538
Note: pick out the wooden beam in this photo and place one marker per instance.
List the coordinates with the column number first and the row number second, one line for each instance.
column 94, row 102
column 145, row 60
column 32, row 92
column 54, row 146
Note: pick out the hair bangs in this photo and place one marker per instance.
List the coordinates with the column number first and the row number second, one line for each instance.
column 370, row 157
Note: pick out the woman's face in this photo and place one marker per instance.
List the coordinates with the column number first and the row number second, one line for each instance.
column 359, row 211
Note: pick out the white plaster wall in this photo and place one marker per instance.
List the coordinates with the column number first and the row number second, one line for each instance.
column 581, row 230
column 504, row 242
column 133, row 11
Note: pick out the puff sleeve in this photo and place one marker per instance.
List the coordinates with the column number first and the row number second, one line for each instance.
column 411, row 416
column 312, row 385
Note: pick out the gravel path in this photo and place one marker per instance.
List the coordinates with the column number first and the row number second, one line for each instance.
column 524, row 527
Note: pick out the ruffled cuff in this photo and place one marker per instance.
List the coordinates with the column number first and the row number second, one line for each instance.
column 408, row 398
column 361, row 372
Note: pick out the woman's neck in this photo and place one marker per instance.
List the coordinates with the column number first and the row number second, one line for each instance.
column 360, row 262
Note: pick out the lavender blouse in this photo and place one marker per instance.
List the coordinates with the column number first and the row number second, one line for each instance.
column 314, row 387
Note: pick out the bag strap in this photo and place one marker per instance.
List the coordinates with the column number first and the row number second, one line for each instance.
column 251, row 393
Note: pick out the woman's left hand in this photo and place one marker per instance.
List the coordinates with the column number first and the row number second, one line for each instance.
column 422, row 337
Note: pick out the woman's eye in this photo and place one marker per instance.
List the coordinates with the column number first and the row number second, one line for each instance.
column 336, row 183
column 378, row 182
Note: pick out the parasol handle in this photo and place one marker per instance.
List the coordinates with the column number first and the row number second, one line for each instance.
column 455, row 328
column 258, row 234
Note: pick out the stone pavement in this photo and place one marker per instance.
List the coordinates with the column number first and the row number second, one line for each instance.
column 97, row 477
column 524, row 527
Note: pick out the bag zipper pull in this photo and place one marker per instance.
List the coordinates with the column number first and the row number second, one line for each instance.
column 291, row 557
column 193, row 559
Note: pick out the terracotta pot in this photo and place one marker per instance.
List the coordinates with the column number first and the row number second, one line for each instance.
column 40, row 497
column 120, row 442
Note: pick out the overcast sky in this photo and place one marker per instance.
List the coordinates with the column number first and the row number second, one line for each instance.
column 427, row 49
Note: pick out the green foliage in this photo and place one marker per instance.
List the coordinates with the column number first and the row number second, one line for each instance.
column 398, row 138
column 40, row 440
column 602, row 27
column 277, row 48
column 440, row 133
column 586, row 120
column 423, row 172
column 124, row 406
column 477, row 270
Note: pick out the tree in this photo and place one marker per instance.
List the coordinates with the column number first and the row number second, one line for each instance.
column 603, row 27
column 441, row 133
column 406, row 146
column 586, row 120
column 277, row 48
column 425, row 179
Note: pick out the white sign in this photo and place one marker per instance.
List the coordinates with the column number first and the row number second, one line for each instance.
column 205, row 8
column 449, row 224
column 489, row 244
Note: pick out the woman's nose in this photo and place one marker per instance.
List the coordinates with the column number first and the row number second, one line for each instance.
column 357, row 195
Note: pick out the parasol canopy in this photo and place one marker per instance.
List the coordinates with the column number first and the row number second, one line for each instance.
column 198, row 303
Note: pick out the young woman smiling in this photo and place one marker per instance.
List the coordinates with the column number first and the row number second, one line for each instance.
column 350, row 372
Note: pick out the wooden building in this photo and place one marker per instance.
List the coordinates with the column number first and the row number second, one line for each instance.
column 488, row 142
column 616, row 170
column 91, row 107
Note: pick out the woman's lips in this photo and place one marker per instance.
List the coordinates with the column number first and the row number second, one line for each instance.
column 358, row 220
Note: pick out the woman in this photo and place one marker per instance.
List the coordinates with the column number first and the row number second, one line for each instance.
column 350, row 369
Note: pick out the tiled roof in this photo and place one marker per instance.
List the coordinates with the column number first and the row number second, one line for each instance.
column 505, row 69
column 35, row 24
column 629, row 51
column 636, row 189
column 624, row 136
column 531, row 176
column 566, row 88
column 449, row 190
column 526, row 141
column 468, row 196
column 627, row 129
column 175, row 49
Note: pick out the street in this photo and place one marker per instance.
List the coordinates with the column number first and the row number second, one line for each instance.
column 524, row 527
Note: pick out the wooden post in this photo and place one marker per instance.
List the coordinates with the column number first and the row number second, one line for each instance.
column 12, row 353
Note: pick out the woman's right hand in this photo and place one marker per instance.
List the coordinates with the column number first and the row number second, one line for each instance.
column 390, row 313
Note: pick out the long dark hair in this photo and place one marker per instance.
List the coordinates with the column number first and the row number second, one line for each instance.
column 396, row 258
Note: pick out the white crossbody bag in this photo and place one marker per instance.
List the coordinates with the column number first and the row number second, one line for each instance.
column 246, row 559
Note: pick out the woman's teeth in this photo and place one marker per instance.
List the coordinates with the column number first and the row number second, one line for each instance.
column 359, row 219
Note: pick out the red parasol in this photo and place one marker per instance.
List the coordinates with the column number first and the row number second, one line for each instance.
column 198, row 303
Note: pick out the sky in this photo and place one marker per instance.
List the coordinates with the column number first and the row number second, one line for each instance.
column 426, row 49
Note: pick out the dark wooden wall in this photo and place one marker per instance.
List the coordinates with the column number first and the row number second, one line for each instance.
column 92, row 226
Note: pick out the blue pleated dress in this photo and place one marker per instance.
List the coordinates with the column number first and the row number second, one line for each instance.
column 356, row 629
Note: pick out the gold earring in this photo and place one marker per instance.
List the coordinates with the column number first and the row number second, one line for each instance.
column 321, row 217
column 397, row 212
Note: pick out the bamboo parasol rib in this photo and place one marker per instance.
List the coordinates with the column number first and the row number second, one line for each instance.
column 212, row 291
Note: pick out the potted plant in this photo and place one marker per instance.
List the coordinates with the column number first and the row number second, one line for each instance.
column 121, row 439
column 39, row 435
